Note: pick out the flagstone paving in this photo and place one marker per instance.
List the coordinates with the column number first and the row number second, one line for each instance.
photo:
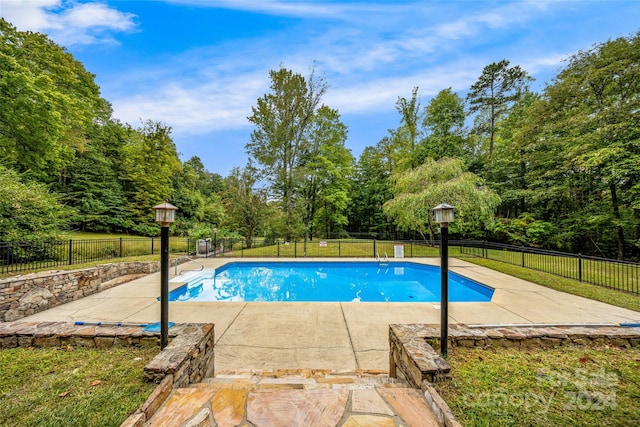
column 303, row 399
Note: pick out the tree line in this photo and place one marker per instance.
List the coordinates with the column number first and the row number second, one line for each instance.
column 556, row 169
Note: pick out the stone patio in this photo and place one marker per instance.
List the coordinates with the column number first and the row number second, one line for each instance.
column 304, row 398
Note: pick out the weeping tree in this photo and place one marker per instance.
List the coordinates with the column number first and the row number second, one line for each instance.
column 417, row 191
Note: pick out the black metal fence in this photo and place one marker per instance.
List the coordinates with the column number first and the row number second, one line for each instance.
column 338, row 248
column 18, row 257
column 29, row 256
column 614, row 274
column 610, row 273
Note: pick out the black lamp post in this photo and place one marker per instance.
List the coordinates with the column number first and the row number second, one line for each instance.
column 165, row 215
column 444, row 215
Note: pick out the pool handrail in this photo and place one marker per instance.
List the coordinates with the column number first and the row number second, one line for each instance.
column 190, row 259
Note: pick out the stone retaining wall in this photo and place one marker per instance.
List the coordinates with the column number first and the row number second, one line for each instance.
column 189, row 357
column 413, row 359
column 22, row 296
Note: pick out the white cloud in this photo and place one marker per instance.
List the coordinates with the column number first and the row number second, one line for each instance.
column 67, row 22
column 305, row 9
column 381, row 94
column 371, row 53
column 92, row 15
column 192, row 108
column 30, row 15
column 213, row 89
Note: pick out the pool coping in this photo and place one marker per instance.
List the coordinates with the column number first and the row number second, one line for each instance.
column 351, row 336
column 191, row 277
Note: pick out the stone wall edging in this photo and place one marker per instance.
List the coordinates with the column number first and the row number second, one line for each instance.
column 24, row 295
column 188, row 358
column 414, row 360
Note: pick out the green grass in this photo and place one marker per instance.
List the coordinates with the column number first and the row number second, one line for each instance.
column 93, row 249
column 568, row 386
column 66, row 267
column 610, row 296
column 78, row 235
column 72, row 387
column 607, row 273
column 337, row 248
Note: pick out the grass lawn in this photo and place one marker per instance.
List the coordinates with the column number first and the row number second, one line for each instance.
column 598, row 293
column 140, row 258
column 80, row 235
column 337, row 248
column 72, row 387
column 568, row 386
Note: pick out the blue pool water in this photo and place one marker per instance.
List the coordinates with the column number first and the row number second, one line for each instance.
column 328, row 281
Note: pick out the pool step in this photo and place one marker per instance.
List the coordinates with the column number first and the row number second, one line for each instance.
column 296, row 398
column 186, row 276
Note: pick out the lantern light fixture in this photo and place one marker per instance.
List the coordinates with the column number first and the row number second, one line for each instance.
column 165, row 213
column 444, row 214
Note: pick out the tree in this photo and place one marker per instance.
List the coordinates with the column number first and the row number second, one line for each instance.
column 512, row 165
column 496, row 89
column 407, row 137
column 283, row 119
column 28, row 210
column 196, row 191
column 150, row 163
column 435, row 132
column 93, row 190
column 590, row 133
column 247, row 206
column 417, row 191
column 326, row 167
column 444, row 121
column 370, row 190
column 49, row 102
column 207, row 183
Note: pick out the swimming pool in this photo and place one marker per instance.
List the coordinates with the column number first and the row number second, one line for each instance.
column 328, row 282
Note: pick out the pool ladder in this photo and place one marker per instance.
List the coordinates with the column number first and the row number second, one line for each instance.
column 384, row 262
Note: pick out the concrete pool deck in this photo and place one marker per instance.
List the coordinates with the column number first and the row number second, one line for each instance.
column 347, row 336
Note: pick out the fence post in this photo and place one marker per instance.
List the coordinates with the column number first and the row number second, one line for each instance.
column 121, row 247
column 411, row 248
column 339, row 248
column 484, row 249
column 295, row 248
column 579, row 267
column 522, row 250
column 70, row 252
column 278, row 248
column 374, row 248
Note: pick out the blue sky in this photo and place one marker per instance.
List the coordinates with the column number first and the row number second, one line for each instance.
column 200, row 65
